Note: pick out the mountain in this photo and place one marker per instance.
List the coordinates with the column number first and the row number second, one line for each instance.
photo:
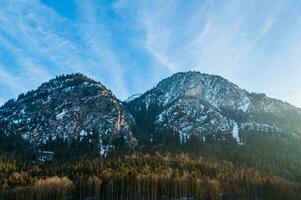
column 193, row 136
column 68, row 107
column 72, row 110
column 202, row 104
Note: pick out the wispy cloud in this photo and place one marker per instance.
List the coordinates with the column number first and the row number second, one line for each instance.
column 45, row 43
column 236, row 39
column 97, row 39
column 28, row 33
column 131, row 45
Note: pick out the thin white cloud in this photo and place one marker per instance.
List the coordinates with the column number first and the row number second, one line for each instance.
column 45, row 43
column 255, row 44
column 10, row 81
column 234, row 39
column 32, row 40
column 98, row 40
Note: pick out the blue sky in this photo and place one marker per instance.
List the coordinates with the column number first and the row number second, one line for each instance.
column 131, row 45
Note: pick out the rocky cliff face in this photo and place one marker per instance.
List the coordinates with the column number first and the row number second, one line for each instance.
column 195, row 103
column 73, row 106
column 67, row 107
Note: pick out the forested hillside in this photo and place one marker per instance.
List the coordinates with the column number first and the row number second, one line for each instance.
column 194, row 136
column 141, row 176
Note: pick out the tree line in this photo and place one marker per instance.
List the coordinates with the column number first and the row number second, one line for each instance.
column 141, row 176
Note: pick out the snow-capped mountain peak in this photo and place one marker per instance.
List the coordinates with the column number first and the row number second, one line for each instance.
column 66, row 107
column 196, row 103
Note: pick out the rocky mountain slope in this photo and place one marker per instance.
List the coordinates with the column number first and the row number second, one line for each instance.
column 67, row 107
column 74, row 106
column 201, row 104
column 73, row 117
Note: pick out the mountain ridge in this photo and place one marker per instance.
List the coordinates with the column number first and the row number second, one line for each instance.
column 67, row 107
column 186, row 103
column 213, row 75
column 225, row 103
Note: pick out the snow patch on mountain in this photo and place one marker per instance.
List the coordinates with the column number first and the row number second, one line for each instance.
column 235, row 133
column 61, row 115
column 67, row 107
column 245, row 103
column 202, row 103
column 132, row 97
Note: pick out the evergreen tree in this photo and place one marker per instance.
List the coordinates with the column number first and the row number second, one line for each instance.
column 95, row 143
